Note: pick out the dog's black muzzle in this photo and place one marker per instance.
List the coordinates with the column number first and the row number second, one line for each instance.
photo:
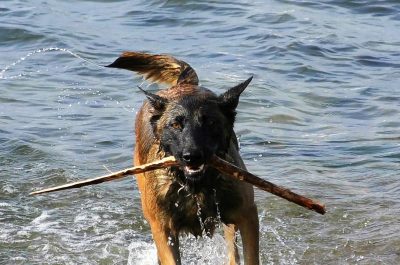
column 193, row 166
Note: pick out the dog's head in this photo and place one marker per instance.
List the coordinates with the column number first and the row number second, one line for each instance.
column 195, row 126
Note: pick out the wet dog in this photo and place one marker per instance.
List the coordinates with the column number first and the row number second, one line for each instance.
column 191, row 123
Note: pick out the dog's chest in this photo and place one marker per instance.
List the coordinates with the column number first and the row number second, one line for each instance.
column 199, row 213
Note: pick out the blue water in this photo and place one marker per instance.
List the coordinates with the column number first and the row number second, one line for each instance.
column 320, row 117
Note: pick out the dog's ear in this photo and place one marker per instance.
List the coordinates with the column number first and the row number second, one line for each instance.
column 230, row 99
column 157, row 102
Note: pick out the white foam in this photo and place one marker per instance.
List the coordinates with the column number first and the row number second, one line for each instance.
column 41, row 223
column 142, row 253
column 9, row 189
column 43, row 216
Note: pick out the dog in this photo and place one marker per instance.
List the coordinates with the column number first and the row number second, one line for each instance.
column 192, row 124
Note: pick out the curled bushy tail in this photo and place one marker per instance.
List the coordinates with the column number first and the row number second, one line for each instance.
column 157, row 68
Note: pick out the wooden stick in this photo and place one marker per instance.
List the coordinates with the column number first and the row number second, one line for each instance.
column 240, row 174
column 165, row 162
column 218, row 163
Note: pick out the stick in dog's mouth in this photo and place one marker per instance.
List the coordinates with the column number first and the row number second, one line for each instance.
column 218, row 163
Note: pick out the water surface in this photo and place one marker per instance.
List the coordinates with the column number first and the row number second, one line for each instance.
column 321, row 117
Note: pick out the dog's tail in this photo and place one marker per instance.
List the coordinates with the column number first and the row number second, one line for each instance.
column 157, row 68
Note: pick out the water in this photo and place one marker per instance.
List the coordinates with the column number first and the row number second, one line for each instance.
column 321, row 117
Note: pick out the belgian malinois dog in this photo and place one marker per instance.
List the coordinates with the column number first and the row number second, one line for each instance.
column 193, row 124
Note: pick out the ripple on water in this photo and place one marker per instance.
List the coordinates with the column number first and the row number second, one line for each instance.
column 273, row 18
column 12, row 36
column 17, row 150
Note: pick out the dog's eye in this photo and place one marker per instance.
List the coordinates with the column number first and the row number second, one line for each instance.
column 176, row 125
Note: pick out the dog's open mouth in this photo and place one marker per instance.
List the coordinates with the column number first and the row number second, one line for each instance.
column 194, row 173
column 191, row 170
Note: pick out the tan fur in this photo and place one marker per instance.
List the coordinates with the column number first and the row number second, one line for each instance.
column 158, row 68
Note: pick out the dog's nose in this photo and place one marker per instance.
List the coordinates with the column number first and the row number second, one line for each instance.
column 192, row 157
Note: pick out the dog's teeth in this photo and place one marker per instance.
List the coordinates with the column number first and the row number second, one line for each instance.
column 194, row 170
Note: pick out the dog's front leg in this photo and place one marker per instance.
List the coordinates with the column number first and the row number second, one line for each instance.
column 230, row 238
column 249, row 230
column 167, row 245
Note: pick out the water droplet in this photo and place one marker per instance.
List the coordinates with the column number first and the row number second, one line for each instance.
column 217, row 206
column 170, row 242
column 42, row 50
column 199, row 213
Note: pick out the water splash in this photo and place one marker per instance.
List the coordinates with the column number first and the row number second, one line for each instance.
column 204, row 250
column 210, row 220
column 286, row 252
column 142, row 253
column 218, row 221
column 42, row 50
column 199, row 213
